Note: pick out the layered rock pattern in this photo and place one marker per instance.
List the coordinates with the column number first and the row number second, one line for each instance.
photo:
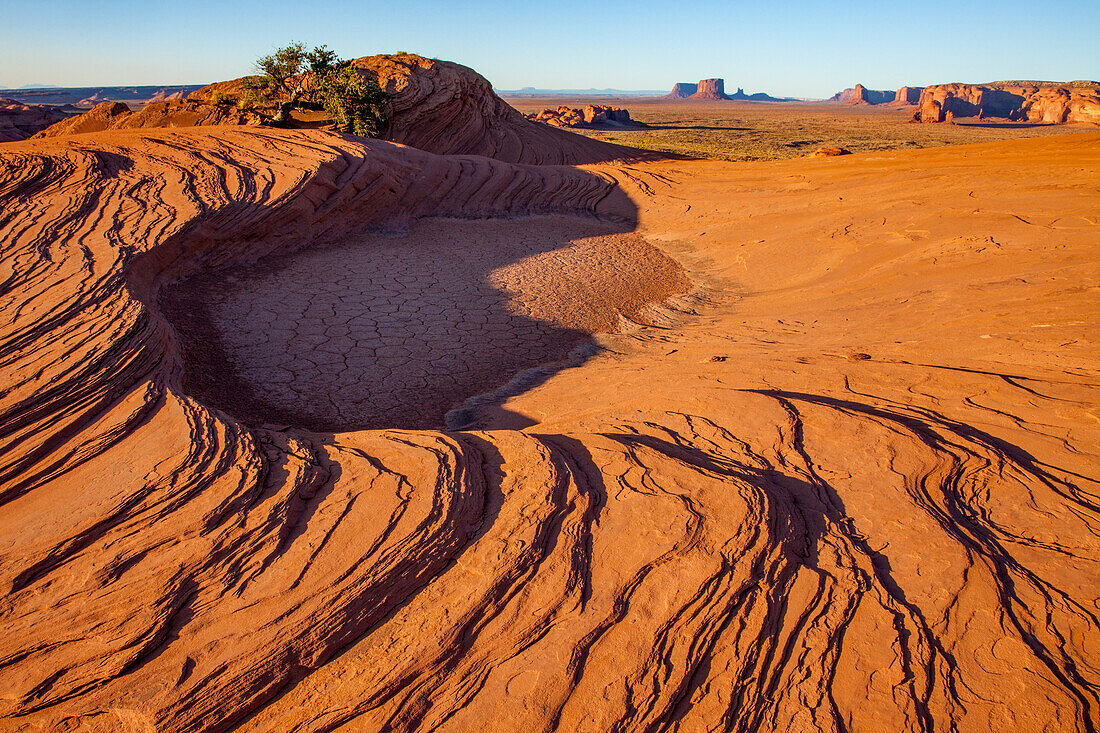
column 171, row 113
column 437, row 106
column 907, row 96
column 860, row 94
column 713, row 89
column 1046, row 102
column 855, row 490
column 449, row 109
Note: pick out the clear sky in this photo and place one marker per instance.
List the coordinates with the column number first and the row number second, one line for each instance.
column 797, row 48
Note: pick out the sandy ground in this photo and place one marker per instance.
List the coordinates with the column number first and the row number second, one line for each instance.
column 850, row 486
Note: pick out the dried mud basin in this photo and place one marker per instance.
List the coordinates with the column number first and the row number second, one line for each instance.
column 378, row 330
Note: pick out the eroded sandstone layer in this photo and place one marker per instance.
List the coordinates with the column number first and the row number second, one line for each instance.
column 850, row 486
column 438, row 106
column 1029, row 101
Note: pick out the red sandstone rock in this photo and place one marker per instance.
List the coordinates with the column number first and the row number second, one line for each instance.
column 437, row 106
column 907, row 96
column 103, row 116
column 710, row 89
column 682, row 90
column 829, row 152
column 713, row 89
column 593, row 115
column 1049, row 102
column 860, row 94
column 173, row 113
column 19, row 121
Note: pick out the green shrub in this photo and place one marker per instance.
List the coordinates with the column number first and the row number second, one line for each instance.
column 295, row 78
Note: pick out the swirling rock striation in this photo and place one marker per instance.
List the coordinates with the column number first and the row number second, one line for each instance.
column 855, row 490
column 437, row 106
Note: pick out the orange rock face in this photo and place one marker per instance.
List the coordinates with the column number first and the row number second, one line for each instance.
column 860, row 94
column 713, row 89
column 1048, row 102
column 907, row 96
column 592, row 115
column 173, row 113
column 437, row 106
column 815, row 448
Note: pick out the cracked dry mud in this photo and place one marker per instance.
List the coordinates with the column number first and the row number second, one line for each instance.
column 394, row 331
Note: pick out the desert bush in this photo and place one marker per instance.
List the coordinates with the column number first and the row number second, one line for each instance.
column 293, row 77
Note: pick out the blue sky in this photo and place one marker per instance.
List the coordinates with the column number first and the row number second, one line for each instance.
column 805, row 49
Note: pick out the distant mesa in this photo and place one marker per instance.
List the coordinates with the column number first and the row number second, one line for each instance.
column 705, row 89
column 683, row 90
column 907, row 96
column 592, row 116
column 860, row 94
column 19, row 121
column 1025, row 101
column 715, row 89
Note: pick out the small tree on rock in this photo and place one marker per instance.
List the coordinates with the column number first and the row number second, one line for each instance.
column 293, row 77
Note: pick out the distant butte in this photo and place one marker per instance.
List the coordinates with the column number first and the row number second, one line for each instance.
column 705, row 89
column 715, row 89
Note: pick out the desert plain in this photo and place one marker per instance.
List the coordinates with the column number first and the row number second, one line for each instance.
column 490, row 426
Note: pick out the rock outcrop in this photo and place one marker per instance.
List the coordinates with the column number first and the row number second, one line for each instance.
column 683, row 90
column 907, row 96
column 1038, row 102
column 19, row 121
column 449, row 109
column 437, row 106
column 103, row 116
column 589, row 116
column 755, row 97
column 829, row 152
column 860, row 94
column 712, row 89
column 172, row 113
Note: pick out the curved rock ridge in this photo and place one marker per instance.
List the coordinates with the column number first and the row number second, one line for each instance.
column 174, row 112
column 855, row 490
column 449, row 109
column 438, row 106
column 1045, row 102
